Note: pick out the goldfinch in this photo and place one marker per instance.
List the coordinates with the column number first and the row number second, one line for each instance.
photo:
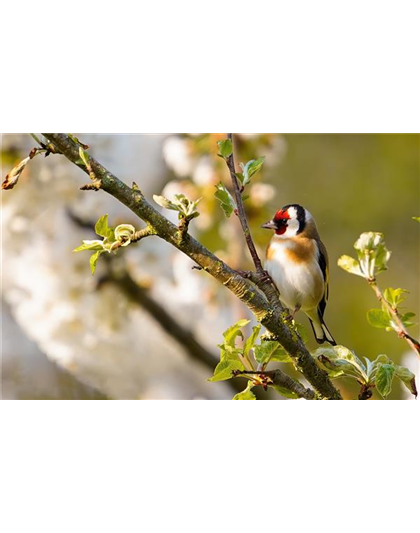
column 297, row 262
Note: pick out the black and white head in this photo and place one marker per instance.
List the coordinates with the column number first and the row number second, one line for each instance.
column 290, row 221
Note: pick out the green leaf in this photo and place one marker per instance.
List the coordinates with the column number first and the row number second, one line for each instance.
column 234, row 331
column 381, row 258
column 224, row 370
column 378, row 318
column 225, row 148
column 339, row 360
column 246, row 394
column 94, row 259
column 227, row 353
column 384, row 377
column 250, row 169
column 90, row 245
column 407, row 377
column 406, row 319
column 271, row 351
column 164, row 202
column 250, row 342
column 102, row 228
column 225, row 198
column 84, row 157
column 395, row 296
column 349, row 264
column 284, row 392
column 416, row 218
column 124, row 233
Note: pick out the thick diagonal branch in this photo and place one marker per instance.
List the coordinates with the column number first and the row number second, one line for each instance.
column 245, row 290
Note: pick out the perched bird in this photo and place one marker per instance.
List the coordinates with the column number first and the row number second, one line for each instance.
column 297, row 262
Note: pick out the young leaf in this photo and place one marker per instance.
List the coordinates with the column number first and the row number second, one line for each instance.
column 250, row 169
column 224, row 370
column 225, row 198
column 124, row 232
column 395, row 296
column 246, row 394
column 90, row 245
column 250, row 342
column 378, row 318
column 233, row 331
column 94, row 259
column 84, row 157
column 384, row 377
column 102, row 228
column 349, row 264
column 406, row 319
column 271, row 351
column 339, row 360
column 225, row 148
column 407, row 377
column 12, row 178
column 164, row 202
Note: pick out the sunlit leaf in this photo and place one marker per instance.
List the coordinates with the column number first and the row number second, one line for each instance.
column 250, row 342
column 271, row 351
column 384, row 377
column 395, row 296
column 416, row 218
column 246, row 394
column 225, row 198
column 407, row 377
column 102, row 228
column 90, row 245
column 378, row 318
column 225, row 148
column 94, row 259
column 406, row 319
column 250, row 169
column 349, row 264
column 124, row 232
column 234, row 331
column 224, row 370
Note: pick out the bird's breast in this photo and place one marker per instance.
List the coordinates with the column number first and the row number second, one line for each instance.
column 295, row 270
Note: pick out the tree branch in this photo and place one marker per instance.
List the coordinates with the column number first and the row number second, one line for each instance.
column 278, row 378
column 268, row 312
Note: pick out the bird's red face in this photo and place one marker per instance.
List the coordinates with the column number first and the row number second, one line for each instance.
column 279, row 222
column 280, row 219
column 288, row 222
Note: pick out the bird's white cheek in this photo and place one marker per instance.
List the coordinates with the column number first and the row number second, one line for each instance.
column 292, row 228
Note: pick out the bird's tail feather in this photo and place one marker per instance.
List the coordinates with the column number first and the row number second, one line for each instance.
column 321, row 332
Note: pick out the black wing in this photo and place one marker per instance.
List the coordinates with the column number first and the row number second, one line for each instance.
column 323, row 265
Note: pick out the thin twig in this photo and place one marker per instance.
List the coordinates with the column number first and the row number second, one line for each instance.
column 241, row 210
column 400, row 328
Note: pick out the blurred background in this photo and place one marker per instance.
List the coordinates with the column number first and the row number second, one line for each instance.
column 146, row 326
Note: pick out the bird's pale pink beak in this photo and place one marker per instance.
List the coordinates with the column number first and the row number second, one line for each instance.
column 269, row 225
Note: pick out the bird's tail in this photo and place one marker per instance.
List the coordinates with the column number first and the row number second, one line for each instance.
column 321, row 332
